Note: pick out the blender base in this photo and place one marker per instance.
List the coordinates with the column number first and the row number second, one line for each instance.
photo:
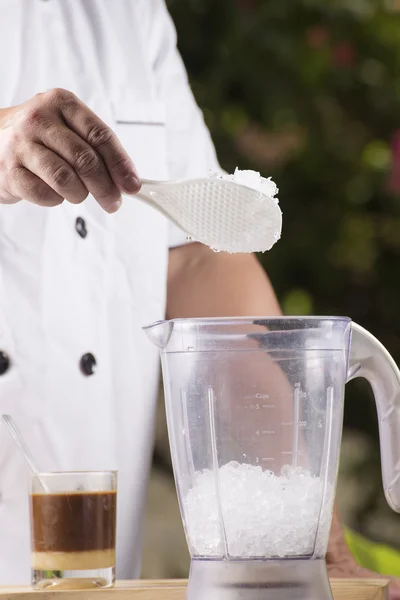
column 289, row 579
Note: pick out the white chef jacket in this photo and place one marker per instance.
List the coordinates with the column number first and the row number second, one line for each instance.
column 64, row 294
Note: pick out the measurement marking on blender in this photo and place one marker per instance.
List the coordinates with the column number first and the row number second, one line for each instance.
column 287, row 423
column 287, row 452
column 268, row 432
column 266, row 459
column 255, row 406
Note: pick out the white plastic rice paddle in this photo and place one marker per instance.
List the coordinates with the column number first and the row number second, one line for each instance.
column 232, row 213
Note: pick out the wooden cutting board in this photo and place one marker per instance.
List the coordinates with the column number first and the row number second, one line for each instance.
column 343, row 589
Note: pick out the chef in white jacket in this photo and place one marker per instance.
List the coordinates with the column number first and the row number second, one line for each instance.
column 80, row 274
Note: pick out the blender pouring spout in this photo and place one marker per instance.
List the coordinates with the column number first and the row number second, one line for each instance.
column 159, row 333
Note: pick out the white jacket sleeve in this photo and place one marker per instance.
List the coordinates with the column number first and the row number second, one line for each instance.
column 190, row 149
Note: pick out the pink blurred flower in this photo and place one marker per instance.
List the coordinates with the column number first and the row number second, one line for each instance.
column 393, row 180
column 317, row 36
column 247, row 5
column 343, row 54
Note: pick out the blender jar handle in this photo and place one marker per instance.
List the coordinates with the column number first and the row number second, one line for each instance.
column 370, row 359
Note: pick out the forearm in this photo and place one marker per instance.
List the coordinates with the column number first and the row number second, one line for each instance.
column 202, row 283
column 338, row 553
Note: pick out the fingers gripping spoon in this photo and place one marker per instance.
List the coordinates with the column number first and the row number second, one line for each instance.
column 235, row 213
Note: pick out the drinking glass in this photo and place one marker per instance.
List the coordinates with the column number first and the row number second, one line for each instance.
column 73, row 529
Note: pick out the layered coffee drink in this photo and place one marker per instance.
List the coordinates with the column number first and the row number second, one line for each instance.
column 73, row 530
column 73, row 533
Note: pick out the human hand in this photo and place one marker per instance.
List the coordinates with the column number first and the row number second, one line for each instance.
column 53, row 147
column 341, row 562
column 346, row 567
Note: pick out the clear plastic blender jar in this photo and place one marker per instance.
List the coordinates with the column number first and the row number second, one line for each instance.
column 255, row 413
